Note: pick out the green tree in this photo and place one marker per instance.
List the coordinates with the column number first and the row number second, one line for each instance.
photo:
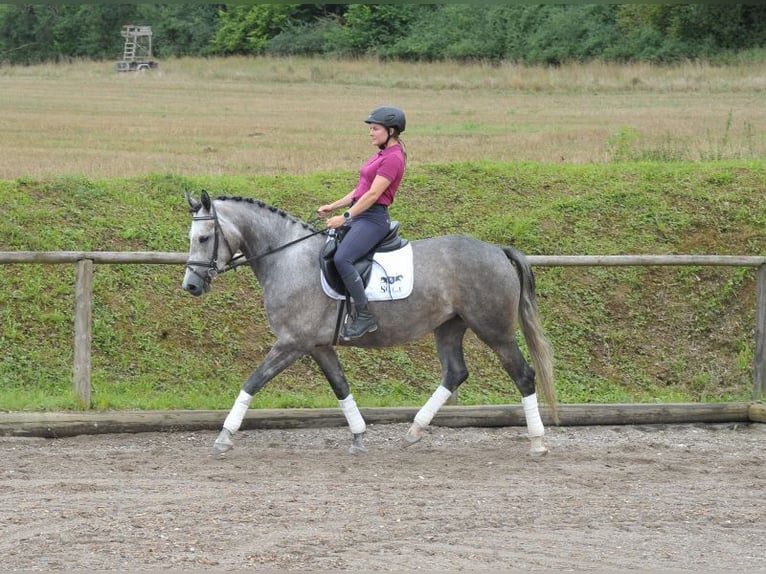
column 181, row 30
column 545, row 33
column 92, row 30
column 368, row 29
column 247, row 29
column 455, row 31
column 571, row 33
column 670, row 32
column 26, row 34
column 304, row 38
column 721, row 26
column 36, row 33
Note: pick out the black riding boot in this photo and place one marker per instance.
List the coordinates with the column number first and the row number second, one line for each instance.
column 365, row 321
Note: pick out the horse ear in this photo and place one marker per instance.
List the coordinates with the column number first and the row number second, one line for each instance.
column 205, row 200
column 194, row 205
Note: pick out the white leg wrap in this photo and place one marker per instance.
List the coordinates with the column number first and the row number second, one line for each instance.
column 532, row 415
column 353, row 416
column 432, row 406
column 237, row 412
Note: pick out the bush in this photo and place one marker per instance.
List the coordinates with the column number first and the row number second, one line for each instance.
column 371, row 29
column 303, row 39
column 459, row 32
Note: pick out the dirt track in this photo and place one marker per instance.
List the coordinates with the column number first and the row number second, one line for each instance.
column 640, row 497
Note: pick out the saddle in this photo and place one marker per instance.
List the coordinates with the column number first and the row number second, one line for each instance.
column 391, row 242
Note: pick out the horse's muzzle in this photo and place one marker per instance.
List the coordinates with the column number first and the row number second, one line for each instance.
column 195, row 290
column 194, row 285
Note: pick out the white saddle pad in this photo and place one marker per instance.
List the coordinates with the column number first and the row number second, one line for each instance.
column 392, row 277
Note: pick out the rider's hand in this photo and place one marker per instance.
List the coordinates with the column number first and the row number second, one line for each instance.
column 336, row 222
column 324, row 210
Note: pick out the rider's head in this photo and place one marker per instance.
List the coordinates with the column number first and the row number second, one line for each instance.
column 391, row 118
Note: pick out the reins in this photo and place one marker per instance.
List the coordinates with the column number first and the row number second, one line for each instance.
column 240, row 259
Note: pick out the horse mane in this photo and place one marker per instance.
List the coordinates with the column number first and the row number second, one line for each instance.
column 264, row 205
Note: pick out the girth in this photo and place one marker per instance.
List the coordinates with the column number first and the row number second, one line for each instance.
column 391, row 242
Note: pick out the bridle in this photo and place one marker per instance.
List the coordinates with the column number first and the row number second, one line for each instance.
column 212, row 265
column 213, row 270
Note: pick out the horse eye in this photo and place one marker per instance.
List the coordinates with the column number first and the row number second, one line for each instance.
column 203, row 238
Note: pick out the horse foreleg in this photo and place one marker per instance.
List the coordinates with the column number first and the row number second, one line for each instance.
column 232, row 423
column 276, row 360
column 327, row 359
column 355, row 423
column 425, row 415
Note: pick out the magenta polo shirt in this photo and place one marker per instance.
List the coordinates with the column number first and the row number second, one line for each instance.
column 390, row 164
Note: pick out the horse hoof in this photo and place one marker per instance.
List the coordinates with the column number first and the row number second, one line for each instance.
column 357, row 446
column 538, row 448
column 538, row 452
column 414, row 435
column 223, row 443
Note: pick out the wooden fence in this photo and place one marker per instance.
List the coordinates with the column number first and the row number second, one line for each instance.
column 85, row 260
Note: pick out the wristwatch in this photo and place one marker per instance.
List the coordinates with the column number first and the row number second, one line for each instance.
column 347, row 215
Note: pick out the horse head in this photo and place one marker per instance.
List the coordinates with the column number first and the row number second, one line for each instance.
column 211, row 246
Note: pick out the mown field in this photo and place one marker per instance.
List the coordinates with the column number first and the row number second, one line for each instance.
column 243, row 116
column 580, row 160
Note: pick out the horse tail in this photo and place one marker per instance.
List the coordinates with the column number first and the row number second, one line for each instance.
column 531, row 326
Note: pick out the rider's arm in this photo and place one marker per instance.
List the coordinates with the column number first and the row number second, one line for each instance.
column 342, row 202
column 379, row 185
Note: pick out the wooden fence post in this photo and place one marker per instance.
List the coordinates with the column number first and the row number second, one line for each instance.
column 759, row 357
column 83, row 324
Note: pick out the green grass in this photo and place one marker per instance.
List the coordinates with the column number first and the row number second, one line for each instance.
column 638, row 334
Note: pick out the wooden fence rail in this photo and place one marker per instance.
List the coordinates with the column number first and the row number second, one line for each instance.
column 85, row 260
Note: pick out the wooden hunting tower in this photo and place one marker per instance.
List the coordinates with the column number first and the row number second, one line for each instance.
column 137, row 51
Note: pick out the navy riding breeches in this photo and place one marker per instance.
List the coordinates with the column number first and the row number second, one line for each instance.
column 364, row 233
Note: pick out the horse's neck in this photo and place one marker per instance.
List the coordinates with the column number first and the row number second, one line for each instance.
column 255, row 224
column 264, row 231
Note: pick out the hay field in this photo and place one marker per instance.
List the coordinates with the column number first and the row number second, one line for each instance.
column 261, row 116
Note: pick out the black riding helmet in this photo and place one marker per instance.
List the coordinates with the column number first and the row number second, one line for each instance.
column 388, row 116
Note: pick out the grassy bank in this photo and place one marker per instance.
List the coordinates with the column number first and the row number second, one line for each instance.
column 627, row 334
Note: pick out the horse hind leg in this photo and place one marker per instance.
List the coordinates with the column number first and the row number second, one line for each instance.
column 327, row 359
column 449, row 345
column 535, row 429
column 523, row 376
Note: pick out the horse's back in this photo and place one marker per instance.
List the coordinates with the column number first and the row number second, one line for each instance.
column 454, row 275
column 462, row 259
column 465, row 273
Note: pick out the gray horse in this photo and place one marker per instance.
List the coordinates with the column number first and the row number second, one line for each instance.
column 460, row 283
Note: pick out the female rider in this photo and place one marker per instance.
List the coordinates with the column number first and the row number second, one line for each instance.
column 367, row 215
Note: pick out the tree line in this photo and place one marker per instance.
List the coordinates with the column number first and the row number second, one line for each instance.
column 530, row 34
